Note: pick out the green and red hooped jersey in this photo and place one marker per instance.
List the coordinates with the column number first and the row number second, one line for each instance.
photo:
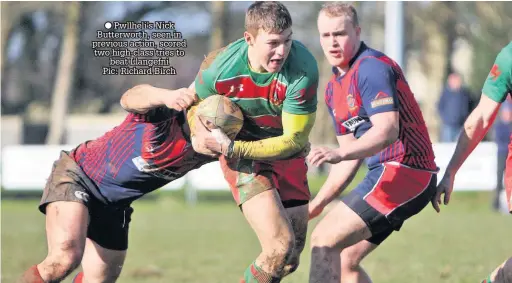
column 261, row 96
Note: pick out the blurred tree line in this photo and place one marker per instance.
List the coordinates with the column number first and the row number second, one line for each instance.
column 48, row 67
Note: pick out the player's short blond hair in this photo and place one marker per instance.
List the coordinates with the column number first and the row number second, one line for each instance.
column 338, row 9
column 270, row 16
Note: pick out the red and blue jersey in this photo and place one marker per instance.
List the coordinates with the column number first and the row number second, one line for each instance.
column 142, row 154
column 375, row 84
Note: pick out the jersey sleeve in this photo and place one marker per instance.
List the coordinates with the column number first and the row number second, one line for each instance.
column 376, row 81
column 499, row 81
column 296, row 129
column 205, row 79
column 301, row 95
column 154, row 115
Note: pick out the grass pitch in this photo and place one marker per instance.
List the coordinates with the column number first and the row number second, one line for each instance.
column 211, row 242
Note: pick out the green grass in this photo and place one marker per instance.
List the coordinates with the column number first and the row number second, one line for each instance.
column 211, row 242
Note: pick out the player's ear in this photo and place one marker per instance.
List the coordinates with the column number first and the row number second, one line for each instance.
column 358, row 30
column 249, row 38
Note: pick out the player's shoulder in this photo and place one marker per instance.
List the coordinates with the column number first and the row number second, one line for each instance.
column 225, row 55
column 301, row 60
column 504, row 57
column 507, row 50
column 374, row 63
column 370, row 57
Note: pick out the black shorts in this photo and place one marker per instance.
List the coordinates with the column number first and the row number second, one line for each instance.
column 108, row 225
column 389, row 195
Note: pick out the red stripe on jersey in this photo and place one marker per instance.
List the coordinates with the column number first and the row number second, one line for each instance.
column 244, row 87
column 269, row 121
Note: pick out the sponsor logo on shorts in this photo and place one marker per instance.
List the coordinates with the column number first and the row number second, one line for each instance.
column 82, row 195
column 352, row 123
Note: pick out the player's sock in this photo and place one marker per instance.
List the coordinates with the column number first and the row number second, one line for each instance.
column 32, row 276
column 79, row 278
column 488, row 280
column 254, row 274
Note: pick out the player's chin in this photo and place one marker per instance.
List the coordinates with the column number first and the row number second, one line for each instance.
column 335, row 61
column 274, row 68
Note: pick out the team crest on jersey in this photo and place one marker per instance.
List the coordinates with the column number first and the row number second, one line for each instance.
column 495, row 72
column 351, row 102
column 381, row 99
column 352, row 123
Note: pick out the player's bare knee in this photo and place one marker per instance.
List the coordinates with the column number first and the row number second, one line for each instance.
column 278, row 253
column 67, row 257
column 292, row 265
column 58, row 266
column 321, row 238
column 350, row 260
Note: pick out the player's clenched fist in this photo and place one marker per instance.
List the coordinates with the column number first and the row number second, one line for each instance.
column 180, row 99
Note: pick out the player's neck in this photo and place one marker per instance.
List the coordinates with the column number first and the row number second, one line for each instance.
column 254, row 65
column 342, row 69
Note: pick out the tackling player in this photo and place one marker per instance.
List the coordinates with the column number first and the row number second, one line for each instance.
column 376, row 117
column 274, row 80
column 88, row 195
column 497, row 87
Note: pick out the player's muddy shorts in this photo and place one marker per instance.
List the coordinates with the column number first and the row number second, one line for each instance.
column 247, row 178
column 508, row 178
column 390, row 194
column 108, row 225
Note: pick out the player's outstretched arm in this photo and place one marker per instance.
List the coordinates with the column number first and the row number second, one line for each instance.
column 340, row 176
column 142, row 98
column 496, row 88
column 475, row 128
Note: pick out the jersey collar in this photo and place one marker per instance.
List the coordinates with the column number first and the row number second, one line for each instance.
column 363, row 47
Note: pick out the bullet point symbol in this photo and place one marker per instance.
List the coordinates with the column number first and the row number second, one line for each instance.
column 108, row 25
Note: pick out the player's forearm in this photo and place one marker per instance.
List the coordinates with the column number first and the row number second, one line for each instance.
column 269, row 149
column 296, row 129
column 474, row 130
column 340, row 176
column 372, row 142
column 142, row 98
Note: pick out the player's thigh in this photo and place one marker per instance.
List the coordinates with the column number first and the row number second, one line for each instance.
column 340, row 228
column 253, row 185
column 64, row 202
column 267, row 217
column 352, row 256
column 292, row 181
column 389, row 195
column 293, row 188
column 101, row 264
column 109, row 226
column 66, row 228
column 247, row 178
